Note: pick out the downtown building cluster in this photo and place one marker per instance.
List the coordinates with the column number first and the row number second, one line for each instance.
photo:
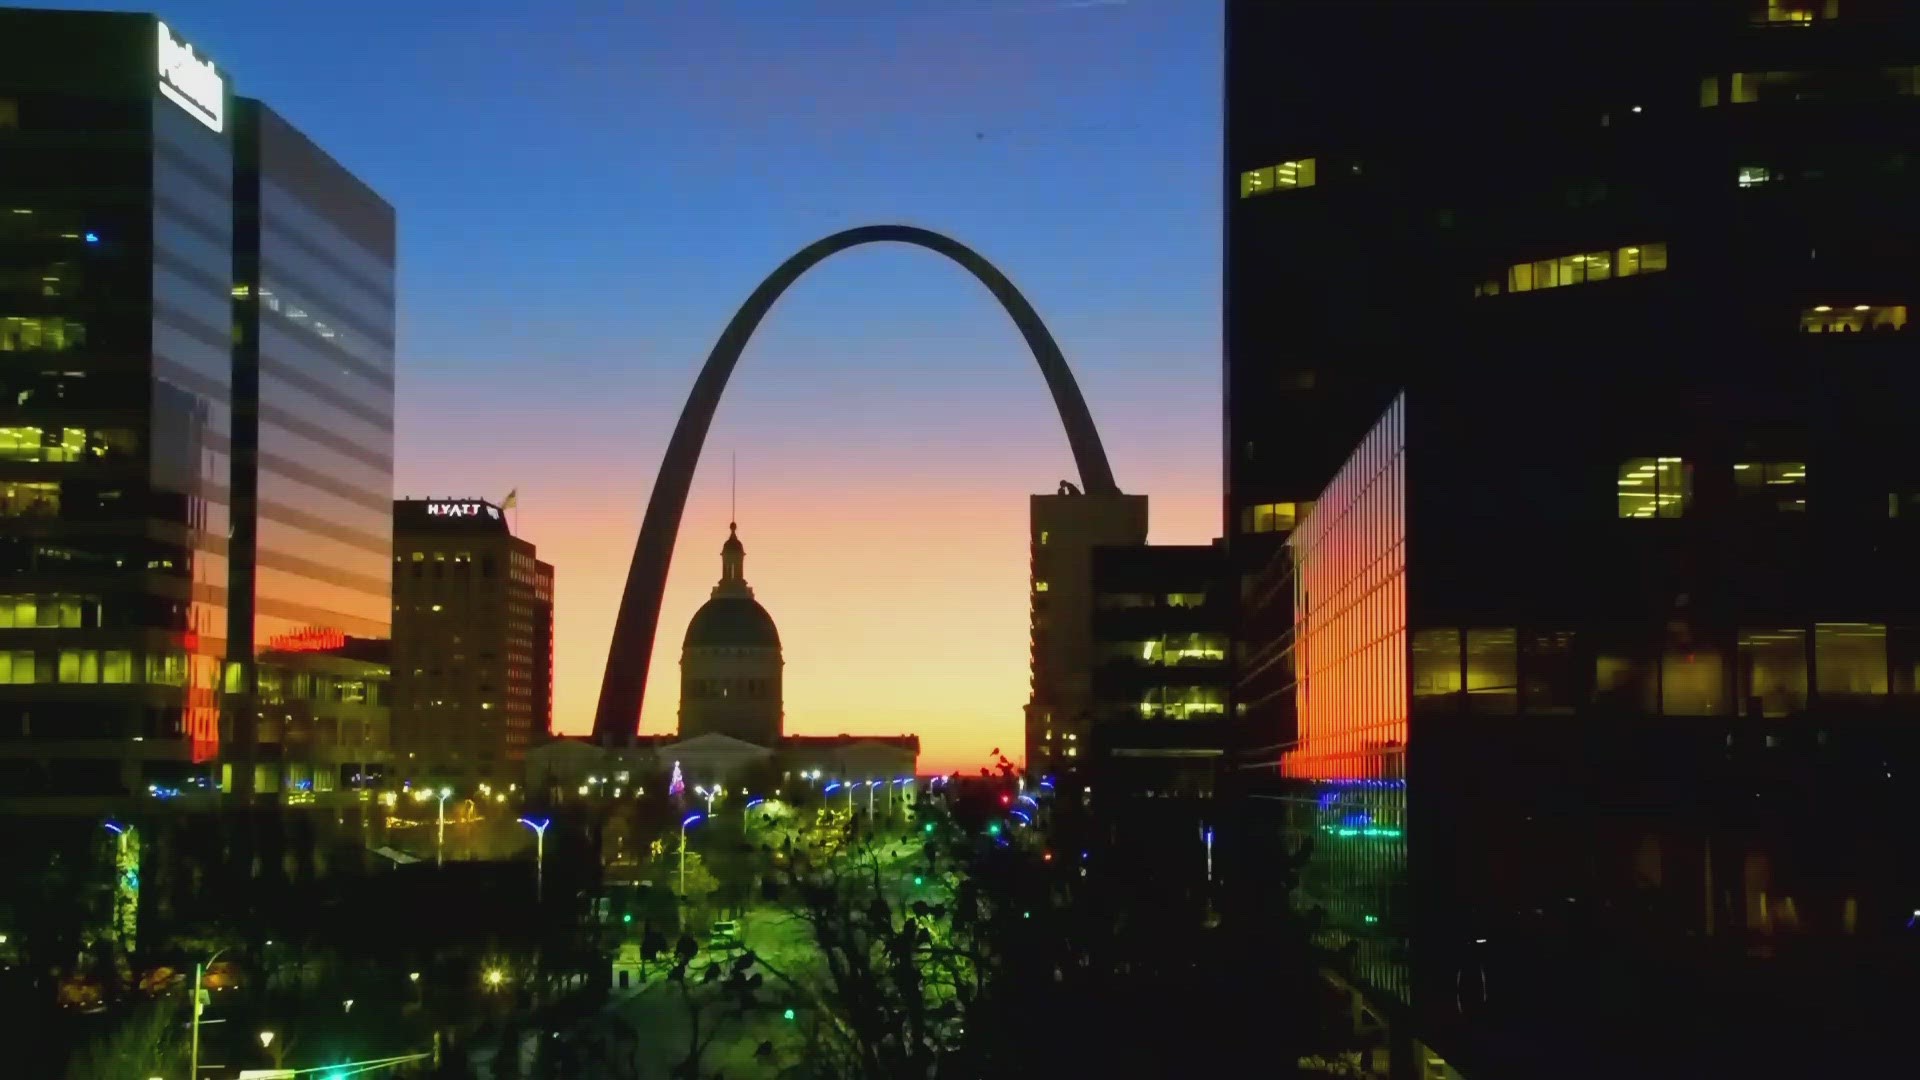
column 1570, row 512
column 201, row 560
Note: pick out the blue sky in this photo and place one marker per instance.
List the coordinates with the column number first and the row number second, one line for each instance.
column 587, row 190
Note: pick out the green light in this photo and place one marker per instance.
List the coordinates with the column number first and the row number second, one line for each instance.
column 627, row 918
column 788, row 1015
column 993, row 829
column 929, row 827
column 1371, row 830
column 1371, row 918
column 918, row 880
column 1026, row 914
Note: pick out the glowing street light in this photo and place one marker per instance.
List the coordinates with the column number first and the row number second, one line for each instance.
column 266, row 1039
column 751, row 803
column 871, row 784
column 539, row 855
column 711, row 795
column 494, row 978
column 684, row 822
column 440, row 845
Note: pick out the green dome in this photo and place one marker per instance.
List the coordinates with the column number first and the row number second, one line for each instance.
column 731, row 622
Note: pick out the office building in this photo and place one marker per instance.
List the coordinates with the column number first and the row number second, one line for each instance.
column 1063, row 530
column 1160, row 672
column 313, row 440
column 471, row 642
column 116, row 252
column 1563, row 670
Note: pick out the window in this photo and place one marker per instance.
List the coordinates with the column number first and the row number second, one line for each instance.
column 16, row 666
column 1772, row 672
column 1693, row 682
column 1493, row 672
column 1850, row 659
column 1905, row 79
column 1580, row 268
column 1550, row 680
column 1186, row 600
column 1269, row 517
column 23, row 498
column 1850, row 318
column 1709, row 91
column 42, row 444
column 1193, row 648
column 1781, row 485
column 28, row 333
column 1122, row 601
column 1625, row 682
column 1436, row 662
column 1795, row 12
column 9, row 114
column 79, row 666
column 1039, row 586
column 170, row 669
column 1654, row 487
column 1752, row 175
column 1272, row 178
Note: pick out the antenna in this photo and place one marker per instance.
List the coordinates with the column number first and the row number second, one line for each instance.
column 733, row 497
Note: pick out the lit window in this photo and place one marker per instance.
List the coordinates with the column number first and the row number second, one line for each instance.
column 1493, row 671
column 19, row 333
column 1693, row 682
column 79, row 666
column 1709, row 91
column 1043, row 538
column 1772, row 672
column 1580, row 268
column 1779, row 484
column 29, row 499
column 1852, row 318
column 1039, row 586
column 1269, row 517
column 1795, row 12
column 1436, row 662
column 1654, row 487
column 1753, row 175
column 16, row 666
column 9, row 114
column 1186, row 599
column 116, row 666
column 1849, row 659
column 1287, row 174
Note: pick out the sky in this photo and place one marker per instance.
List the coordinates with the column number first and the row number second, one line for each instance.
column 586, row 192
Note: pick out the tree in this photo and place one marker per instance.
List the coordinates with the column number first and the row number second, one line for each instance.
column 148, row 1043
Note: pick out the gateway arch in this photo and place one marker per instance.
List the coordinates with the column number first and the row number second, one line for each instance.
column 623, row 687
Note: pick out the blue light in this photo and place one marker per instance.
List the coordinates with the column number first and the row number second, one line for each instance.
column 751, row 803
column 93, row 238
column 1028, row 799
column 1021, row 814
column 690, row 819
column 833, row 785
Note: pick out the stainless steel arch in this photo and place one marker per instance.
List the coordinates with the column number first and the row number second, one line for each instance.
column 623, row 686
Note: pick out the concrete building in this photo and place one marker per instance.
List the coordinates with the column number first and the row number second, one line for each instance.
column 1064, row 529
column 472, row 642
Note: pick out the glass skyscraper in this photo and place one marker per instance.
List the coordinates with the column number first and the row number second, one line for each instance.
column 196, row 372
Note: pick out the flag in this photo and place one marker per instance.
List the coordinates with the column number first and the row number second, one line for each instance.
column 512, row 500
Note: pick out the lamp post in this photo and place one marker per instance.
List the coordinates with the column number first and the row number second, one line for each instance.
column 751, row 803
column 684, row 822
column 710, row 795
column 199, row 975
column 903, row 795
column 871, row 784
column 539, row 855
column 440, row 843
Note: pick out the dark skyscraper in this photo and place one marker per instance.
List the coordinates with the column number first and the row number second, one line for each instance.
column 198, row 451
column 313, row 395
column 1582, row 638
column 116, row 274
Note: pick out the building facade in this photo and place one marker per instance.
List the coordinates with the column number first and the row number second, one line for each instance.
column 116, row 272
column 313, row 429
column 1160, row 675
column 730, row 665
column 1063, row 531
column 1561, row 664
column 472, row 642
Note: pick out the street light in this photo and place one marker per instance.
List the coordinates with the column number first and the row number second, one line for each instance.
column 266, row 1039
column 751, row 803
column 871, row 784
column 440, row 844
column 903, row 795
column 539, row 855
column 711, row 795
column 684, row 822
column 199, row 976
column 494, row 977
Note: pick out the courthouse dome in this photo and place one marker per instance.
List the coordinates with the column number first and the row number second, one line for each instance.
column 732, row 618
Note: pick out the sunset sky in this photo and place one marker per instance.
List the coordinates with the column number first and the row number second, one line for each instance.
column 586, row 192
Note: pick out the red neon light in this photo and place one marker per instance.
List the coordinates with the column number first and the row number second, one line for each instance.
column 312, row 639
